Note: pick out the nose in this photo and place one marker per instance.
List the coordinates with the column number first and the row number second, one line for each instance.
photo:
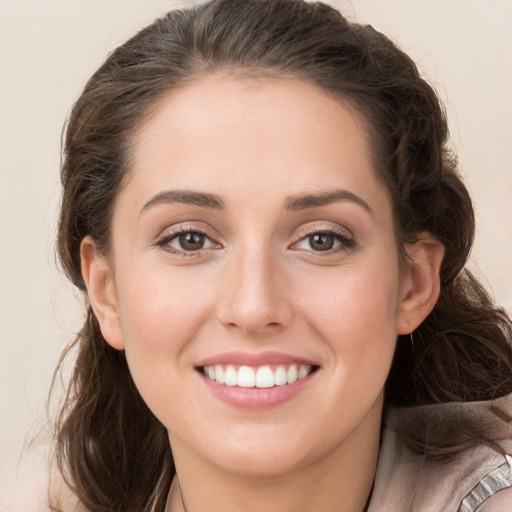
column 254, row 298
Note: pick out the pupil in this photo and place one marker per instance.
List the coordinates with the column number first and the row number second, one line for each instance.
column 321, row 242
column 192, row 241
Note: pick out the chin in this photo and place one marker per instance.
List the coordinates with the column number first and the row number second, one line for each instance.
column 265, row 452
column 261, row 463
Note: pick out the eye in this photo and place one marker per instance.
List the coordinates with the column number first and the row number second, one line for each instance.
column 324, row 241
column 192, row 241
column 186, row 242
column 319, row 242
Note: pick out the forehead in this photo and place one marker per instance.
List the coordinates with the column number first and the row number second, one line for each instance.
column 271, row 134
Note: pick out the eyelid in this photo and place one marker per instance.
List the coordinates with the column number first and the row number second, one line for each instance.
column 171, row 232
column 343, row 234
column 322, row 227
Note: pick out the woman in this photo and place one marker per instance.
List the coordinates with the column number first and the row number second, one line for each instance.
column 270, row 232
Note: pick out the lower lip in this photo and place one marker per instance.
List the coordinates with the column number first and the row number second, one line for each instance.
column 256, row 398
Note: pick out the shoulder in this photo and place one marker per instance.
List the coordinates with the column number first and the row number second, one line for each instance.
column 406, row 478
column 499, row 502
column 493, row 490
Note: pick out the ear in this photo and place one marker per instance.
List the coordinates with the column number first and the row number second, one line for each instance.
column 99, row 280
column 421, row 282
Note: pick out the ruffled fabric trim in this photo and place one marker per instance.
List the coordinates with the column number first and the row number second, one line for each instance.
column 497, row 480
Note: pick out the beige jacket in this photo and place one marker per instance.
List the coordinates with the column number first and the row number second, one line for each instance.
column 479, row 478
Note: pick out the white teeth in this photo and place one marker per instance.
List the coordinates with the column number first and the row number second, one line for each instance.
column 292, row 374
column 260, row 377
column 230, row 377
column 219, row 374
column 280, row 376
column 264, row 377
column 304, row 371
column 246, row 377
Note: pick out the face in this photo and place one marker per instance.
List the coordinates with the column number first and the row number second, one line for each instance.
column 254, row 279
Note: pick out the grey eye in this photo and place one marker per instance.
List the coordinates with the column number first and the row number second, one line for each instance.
column 321, row 241
column 187, row 242
column 191, row 241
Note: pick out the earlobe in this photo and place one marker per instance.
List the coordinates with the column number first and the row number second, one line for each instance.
column 422, row 284
column 99, row 280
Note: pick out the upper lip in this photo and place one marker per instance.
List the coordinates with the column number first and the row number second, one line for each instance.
column 248, row 359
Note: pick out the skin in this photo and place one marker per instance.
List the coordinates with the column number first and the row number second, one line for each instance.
column 258, row 285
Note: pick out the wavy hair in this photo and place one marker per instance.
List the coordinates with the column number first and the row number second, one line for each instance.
column 114, row 454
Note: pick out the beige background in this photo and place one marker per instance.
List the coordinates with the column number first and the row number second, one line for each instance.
column 47, row 50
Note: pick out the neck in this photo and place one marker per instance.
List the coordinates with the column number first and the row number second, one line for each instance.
column 339, row 481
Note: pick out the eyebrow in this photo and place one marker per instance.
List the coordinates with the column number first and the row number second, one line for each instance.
column 303, row 202
column 294, row 203
column 185, row 197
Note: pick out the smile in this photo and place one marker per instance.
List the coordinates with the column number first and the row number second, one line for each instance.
column 256, row 381
column 266, row 376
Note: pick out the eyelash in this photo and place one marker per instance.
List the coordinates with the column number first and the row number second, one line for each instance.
column 345, row 242
column 165, row 240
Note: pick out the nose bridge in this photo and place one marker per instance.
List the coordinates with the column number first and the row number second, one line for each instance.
column 254, row 296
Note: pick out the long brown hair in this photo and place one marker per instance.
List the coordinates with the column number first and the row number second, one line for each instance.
column 112, row 451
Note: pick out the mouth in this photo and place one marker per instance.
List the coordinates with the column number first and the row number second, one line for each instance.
column 260, row 377
column 256, row 381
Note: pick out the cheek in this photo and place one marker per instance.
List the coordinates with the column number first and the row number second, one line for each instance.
column 160, row 307
column 355, row 310
column 161, row 312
